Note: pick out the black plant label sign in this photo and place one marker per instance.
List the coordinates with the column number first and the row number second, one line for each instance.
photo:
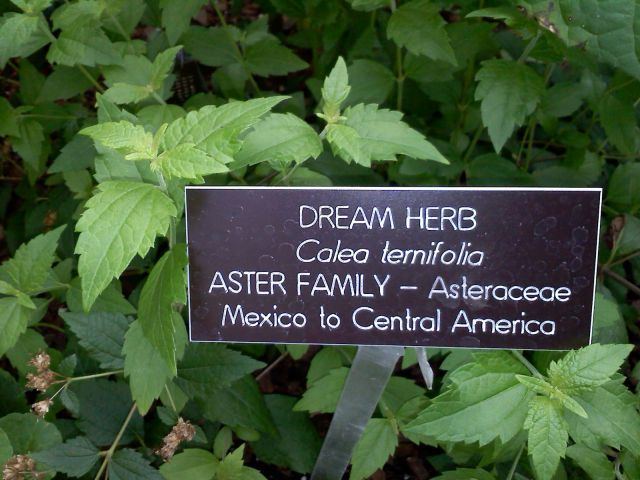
column 440, row 267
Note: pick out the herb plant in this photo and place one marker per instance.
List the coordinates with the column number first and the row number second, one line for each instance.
column 111, row 107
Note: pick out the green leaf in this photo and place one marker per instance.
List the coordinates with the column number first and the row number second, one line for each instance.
column 268, row 57
column 30, row 267
column 232, row 468
column 121, row 93
column 165, row 287
column 83, row 44
column 75, row 457
column 539, row 385
column 622, row 193
column 13, row 322
column 384, row 135
column 618, row 118
column 176, row 16
column 323, row 362
column 587, row 367
column 347, row 144
column 162, row 66
column 21, row 35
column 215, row 130
column 127, row 464
column 377, row 443
column 612, row 417
column 212, row 46
column 8, row 118
column 282, row 138
column 609, row 28
column 418, row 26
column 322, row 396
column 123, row 219
column 192, row 464
column 6, row 450
column 485, row 401
column 465, row 474
column 101, row 334
column 147, row 371
column 594, row 462
column 335, row 89
column 63, row 83
column 187, row 161
column 207, row 367
column 371, row 82
column 295, row 444
column 608, row 323
column 28, row 433
column 110, row 300
column 510, row 91
column 128, row 139
column 547, row 441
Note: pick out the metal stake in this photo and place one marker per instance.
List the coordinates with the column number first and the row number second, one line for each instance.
column 365, row 383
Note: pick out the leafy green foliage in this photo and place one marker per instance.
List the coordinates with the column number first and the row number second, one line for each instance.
column 111, row 108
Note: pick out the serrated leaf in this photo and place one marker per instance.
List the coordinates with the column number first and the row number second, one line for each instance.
column 176, row 16
column 207, row 367
column 162, row 66
column 110, row 300
column 30, row 267
column 322, row 396
column 28, row 433
column 418, row 26
column 232, row 468
column 187, row 161
column 509, row 91
column 347, row 144
column 547, row 441
column 622, row 192
column 83, row 44
column 371, row 82
column 215, row 130
column 335, row 89
column 465, row 474
column 268, row 57
column 75, row 457
column 6, row 450
column 377, row 443
column 127, row 464
column 21, row 35
column 121, row 93
column 101, row 334
column 543, row 387
column 283, row 138
column 192, row 464
column 384, row 135
column 212, row 46
column 618, row 118
column 13, row 322
column 147, row 371
column 485, row 402
column 124, row 137
column 123, row 219
column 165, row 287
column 594, row 462
column 587, row 367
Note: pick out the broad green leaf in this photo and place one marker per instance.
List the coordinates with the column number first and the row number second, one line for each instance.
column 165, row 287
column 609, row 28
column 608, row 323
column 6, row 450
column 269, row 57
column 418, row 26
column 335, row 89
column 367, row 5
column 83, row 45
column 121, row 93
column 187, row 161
column 347, row 144
column 30, row 145
column 371, row 82
column 123, row 219
column 30, row 267
column 192, row 464
column 28, row 433
column 543, row 387
column 75, row 457
column 618, row 118
column 213, row 46
column 324, row 361
column 72, row 14
column 215, row 130
column 207, row 367
column 162, row 66
column 101, row 334
column 232, row 468
column 126, row 138
column 465, row 474
column 128, row 464
column 623, row 193
column 384, row 135
column 282, row 138
column 28, row 344
column 21, row 35
column 8, row 118
column 613, row 418
column 63, row 83
column 547, row 441
column 78, row 154
column 241, row 404
column 594, row 462
column 587, row 367
column 147, row 371
column 13, row 322
column 110, row 300
column 154, row 116
column 322, row 396
column 377, row 443
column 485, row 402
column 509, row 91
column 176, row 16
column 296, row 443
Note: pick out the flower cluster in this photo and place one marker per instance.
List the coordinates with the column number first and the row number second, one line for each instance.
column 44, row 377
column 21, row 467
column 182, row 431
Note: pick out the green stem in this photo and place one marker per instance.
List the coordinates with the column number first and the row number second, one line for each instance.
column 89, row 77
column 625, row 258
column 49, row 325
column 95, row 375
column 472, row 145
column 173, row 404
column 530, row 46
column 534, row 371
column 9, row 80
column 158, row 98
column 172, row 222
column 622, row 281
column 514, row 465
column 114, row 445
column 223, row 21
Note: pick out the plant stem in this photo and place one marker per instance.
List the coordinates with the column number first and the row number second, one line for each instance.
column 534, row 371
column 623, row 281
column 529, row 47
column 89, row 77
column 223, row 21
column 472, row 145
column 514, row 465
column 173, row 404
column 172, row 220
column 49, row 325
column 114, row 445
column 158, row 98
column 271, row 366
column 95, row 375
column 625, row 258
